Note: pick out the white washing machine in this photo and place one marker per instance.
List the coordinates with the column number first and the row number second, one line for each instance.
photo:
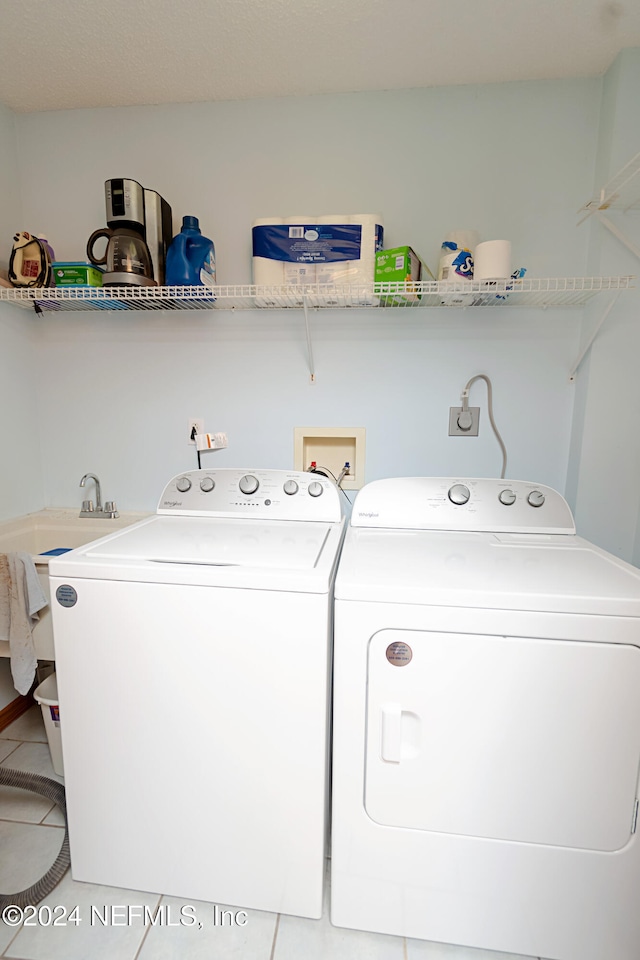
column 193, row 657
column 486, row 723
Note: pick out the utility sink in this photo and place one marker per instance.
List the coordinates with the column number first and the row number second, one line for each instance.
column 38, row 533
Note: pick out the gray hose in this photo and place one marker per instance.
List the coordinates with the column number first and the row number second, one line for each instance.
column 52, row 790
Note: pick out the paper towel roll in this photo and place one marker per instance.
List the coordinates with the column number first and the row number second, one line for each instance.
column 330, row 273
column 352, row 272
column 372, row 230
column 267, row 272
column 492, row 260
column 299, row 274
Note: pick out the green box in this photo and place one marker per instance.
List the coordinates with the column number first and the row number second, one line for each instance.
column 398, row 265
column 76, row 275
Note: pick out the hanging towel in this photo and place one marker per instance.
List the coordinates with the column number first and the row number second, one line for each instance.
column 21, row 597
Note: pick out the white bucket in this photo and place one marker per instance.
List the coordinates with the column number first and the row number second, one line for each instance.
column 46, row 694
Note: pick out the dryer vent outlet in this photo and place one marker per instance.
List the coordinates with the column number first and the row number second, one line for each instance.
column 459, row 426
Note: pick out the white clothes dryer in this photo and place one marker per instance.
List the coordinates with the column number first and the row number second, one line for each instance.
column 486, row 723
column 193, row 657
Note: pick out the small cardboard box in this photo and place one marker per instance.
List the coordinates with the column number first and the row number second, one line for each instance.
column 399, row 265
column 77, row 275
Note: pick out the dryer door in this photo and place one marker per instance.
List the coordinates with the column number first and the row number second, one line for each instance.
column 508, row 738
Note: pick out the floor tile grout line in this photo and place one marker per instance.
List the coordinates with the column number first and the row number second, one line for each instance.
column 275, row 937
column 31, row 823
column 15, row 740
column 28, row 823
column 42, row 823
column 34, row 823
column 11, row 942
column 146, row 930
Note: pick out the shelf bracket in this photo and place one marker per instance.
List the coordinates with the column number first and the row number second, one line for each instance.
column 312, row 372
column 618, row 233
column 594, row 334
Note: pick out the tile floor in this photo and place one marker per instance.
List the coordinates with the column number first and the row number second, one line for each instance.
column 30, row 837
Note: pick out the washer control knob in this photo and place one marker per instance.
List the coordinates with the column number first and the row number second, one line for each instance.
column 248, row 484
column 315, row 489
column 290, row 487
column 207, row 484
column 183, row 484
column 536, row 498
column 459, row 494
column 507, row 497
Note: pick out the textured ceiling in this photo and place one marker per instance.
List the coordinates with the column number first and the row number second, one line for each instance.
column 62, row 54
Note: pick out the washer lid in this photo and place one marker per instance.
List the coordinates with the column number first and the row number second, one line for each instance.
column 545, row 572
column 207, row 551
column 218, row 542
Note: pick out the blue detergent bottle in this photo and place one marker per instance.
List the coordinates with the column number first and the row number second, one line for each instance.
column 191, row 258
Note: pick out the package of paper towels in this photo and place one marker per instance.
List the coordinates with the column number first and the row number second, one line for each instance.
column 336, row 248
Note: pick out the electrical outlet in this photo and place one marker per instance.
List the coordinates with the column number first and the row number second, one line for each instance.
column 455, row 430
column 194, row 423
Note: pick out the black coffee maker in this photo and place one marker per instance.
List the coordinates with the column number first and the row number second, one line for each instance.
column 138, row 234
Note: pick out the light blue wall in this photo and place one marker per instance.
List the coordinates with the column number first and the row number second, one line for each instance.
column 512, row 160
column 9, row 184
column 21, row 479
column 115, row 391
column 605, row 463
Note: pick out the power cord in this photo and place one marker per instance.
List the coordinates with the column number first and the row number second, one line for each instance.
column 194, row 433
column 465, row 415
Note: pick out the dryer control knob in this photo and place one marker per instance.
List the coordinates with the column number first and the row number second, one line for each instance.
column 536, row 498
column 248, row 484
column 507, row 497
column 207, row 484
column 459, row 494
column 315, row 489
column 290, row 487
column 183, row 484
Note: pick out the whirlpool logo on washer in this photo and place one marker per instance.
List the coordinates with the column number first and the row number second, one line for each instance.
column 368, row 513
column 172, row 503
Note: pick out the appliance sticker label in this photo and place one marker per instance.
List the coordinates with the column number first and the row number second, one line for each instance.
column 66, row 595
column 399, row 654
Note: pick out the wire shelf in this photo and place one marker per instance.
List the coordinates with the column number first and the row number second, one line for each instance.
column 556, row 291
column 622, row 192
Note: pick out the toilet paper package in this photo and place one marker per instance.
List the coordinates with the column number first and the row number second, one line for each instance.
column 335, row 249
column 455, row 268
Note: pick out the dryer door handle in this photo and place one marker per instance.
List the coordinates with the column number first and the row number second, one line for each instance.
column 391, row 732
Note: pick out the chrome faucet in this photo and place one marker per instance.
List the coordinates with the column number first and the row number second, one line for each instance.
column 108, row 512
